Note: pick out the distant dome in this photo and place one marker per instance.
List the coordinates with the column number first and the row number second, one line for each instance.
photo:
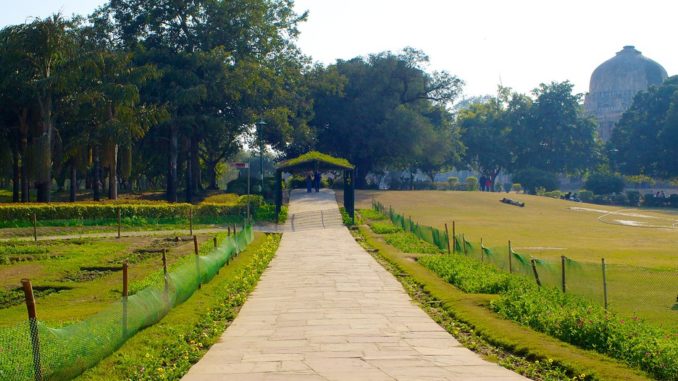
column 614, row 84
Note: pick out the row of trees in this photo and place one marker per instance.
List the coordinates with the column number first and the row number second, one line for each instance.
column 147, row 87
column 168, row 91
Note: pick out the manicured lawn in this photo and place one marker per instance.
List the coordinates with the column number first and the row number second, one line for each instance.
column 642, row 271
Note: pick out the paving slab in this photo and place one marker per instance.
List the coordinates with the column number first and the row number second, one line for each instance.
column 326, row 310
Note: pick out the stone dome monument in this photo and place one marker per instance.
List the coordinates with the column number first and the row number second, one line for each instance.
column 614, row 84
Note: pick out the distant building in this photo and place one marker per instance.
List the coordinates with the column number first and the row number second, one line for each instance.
column 614, row 84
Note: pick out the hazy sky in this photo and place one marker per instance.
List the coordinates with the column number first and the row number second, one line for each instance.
column 520, row 43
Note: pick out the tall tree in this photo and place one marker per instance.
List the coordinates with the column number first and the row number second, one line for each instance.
column 645, row 139
column 552, row 133
column 384, row 112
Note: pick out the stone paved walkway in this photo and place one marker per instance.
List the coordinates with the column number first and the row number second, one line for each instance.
column 326, row 310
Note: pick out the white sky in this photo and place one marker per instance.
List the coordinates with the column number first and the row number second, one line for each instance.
column 520, row 42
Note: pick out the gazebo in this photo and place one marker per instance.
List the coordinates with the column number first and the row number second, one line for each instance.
column 317, row 162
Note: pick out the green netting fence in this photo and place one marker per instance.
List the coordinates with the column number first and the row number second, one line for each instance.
column 63, row 353
column 632, row 290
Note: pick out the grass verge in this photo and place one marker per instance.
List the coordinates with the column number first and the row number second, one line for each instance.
column 468, row 317
column 167, row 350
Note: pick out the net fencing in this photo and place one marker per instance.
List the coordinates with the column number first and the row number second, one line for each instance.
column 33, row 350
column 641, row 292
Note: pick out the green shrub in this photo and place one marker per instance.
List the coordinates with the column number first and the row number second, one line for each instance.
column 516, row 187
column 673, row 200
column 468, row 274
column 533, row 178
column 372, row 214
column 633, row 197
column 410, row 243
column 453, row 182
column 604, row 183
column 553, row 194
column 472, row 183
column 586, row 196
column 384, row 227
column 575, row 320
column 620, row 199
column 222, row 198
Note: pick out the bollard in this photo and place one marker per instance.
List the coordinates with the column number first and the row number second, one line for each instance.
column 33, row 322
column 125, row 293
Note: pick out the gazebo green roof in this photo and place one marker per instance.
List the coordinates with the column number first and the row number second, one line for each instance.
column 314, row 160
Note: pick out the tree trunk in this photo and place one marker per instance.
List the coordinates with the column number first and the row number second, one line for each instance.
column 195, row 165
column 96, row 181
column 43, row 139
column 212, row 172
column 74, row 181
column 113, row 174
column 15, row 175
column 189, row 176
column 172, row 167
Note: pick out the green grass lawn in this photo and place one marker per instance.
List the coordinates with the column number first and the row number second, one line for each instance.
column 642, row 262
column 72, row 293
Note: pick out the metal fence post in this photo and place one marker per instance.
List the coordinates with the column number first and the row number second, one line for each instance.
column 190, row 219
column 125, row 293
column 33, row 322
column 447, row 235
column 118, row 223
column 534, row 269
column 197, row 260
column 454, row 237
column 563, row 259
column 510, row 257
column 604, row 282
column 164, row 269
column 482, row 252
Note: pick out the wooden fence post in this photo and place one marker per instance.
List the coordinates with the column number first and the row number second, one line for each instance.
column 447, row 234
column 215, row 242
column 534, row 269
column 604, row 282
column 125, row 293
column 197, row 260
column 510, row 257
column 563, row 259
column 118, row 223
column 35, row 228
column 33, row 322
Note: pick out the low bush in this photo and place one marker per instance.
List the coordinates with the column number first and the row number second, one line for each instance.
column 553, row 194
column 604, row 183
column 372, row 215
column 384, row 227
column 575, row 320
column 633, row 197
column 532, row 178
column 468, row 274
column 472, row 183
column 586, row 196
column 410, row 243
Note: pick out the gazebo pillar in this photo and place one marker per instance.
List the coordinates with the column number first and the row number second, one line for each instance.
column 349, row 192
column 278, row 194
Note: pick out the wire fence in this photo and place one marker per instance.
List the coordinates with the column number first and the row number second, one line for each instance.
column 35, row 351
column 639, row 292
